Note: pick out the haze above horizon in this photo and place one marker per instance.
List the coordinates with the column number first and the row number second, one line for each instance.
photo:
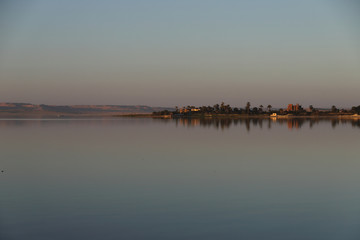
column 178, row 53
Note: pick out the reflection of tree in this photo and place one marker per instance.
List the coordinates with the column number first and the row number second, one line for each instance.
column 295, row 123
column 356, row 123
column 248, row 123
column 334, row 122
column 247, row 108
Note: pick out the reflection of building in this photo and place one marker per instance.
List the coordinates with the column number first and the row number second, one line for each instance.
column 190, row 122
column 294, row 123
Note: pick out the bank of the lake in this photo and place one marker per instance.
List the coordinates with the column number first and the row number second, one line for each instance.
column 243, row 116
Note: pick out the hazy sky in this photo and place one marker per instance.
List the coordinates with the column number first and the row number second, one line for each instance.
column 172, row 52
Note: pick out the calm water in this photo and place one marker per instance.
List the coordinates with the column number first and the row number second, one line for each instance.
column 168, row 179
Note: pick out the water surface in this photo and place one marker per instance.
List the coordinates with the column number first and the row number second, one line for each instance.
column 179, row 179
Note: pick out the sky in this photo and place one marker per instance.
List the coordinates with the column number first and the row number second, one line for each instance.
column 177, row 53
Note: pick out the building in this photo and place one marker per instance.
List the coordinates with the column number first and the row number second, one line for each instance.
column 293, row 108
column 186, row 110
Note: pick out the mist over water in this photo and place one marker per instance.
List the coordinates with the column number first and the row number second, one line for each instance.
column 179, row 179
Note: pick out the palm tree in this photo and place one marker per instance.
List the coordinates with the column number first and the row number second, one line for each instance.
column 248, row 107
column 261, row 108
column 269, row 107
column 311, row 108
column 216, row 108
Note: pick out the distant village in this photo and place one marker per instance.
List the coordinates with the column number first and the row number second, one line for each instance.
column 268, row 111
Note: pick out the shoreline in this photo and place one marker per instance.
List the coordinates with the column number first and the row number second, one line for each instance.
column 52, row 115
column 240, row 116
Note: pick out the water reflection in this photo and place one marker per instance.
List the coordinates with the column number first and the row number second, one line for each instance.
column 217, row 123
column 248, row 123
column 143, row 178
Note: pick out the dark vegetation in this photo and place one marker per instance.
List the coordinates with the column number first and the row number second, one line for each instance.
column 226, row 109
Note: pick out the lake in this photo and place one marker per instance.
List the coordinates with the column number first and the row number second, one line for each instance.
column 126, row 178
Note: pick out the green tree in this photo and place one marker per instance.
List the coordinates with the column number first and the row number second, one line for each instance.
column 334, row 109
column 222, row 107
column 261, row 108
column 255, row 110
column 216, row 108
column 311, row 108
column 355, row 109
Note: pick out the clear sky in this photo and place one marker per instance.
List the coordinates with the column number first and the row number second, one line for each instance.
column 172, row 52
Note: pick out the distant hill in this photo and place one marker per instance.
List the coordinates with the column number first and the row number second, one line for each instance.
column 34, row 109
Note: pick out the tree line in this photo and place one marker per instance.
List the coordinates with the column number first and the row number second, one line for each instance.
column 223, row 108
